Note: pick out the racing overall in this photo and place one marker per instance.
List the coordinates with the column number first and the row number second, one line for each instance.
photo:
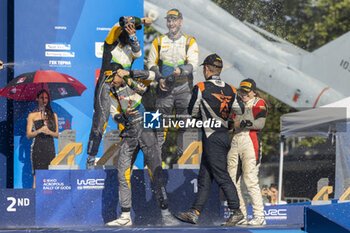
column 164, row 57
column 244, row 156
column 113, row 51
column 135, row 137
column 214, row 100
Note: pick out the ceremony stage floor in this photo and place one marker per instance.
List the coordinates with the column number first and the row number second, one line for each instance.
column 179, row 229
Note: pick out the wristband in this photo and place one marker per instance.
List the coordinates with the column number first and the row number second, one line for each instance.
column 133, row 38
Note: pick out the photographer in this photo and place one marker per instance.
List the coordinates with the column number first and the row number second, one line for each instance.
column 121, row 46
column 271, row 194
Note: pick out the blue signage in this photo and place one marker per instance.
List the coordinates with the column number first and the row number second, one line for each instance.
column 276, row 215
column 4, row 124
column 90, row 197
column 17, row 207
column 66, row 36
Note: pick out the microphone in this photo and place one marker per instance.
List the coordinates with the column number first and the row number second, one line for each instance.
column 44, row 115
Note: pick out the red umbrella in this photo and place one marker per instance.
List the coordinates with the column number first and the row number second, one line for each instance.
column 26, row 86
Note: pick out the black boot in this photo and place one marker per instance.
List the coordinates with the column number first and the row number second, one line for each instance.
column 235, row 217
column 190, row 216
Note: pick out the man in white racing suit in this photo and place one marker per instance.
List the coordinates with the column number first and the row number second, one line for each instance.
column 173, row 57
column 244, row 156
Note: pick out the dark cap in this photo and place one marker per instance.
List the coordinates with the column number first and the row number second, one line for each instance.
column 111, row 71
column 174, row 13
column 247, row 85
column 213, row 60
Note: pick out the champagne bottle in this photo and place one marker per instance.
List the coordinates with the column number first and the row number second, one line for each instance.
column 124, row 20
column 137, row 22
column 135, row 85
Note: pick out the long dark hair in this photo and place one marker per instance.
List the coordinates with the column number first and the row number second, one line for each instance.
column 262, row 96
column 48, row 110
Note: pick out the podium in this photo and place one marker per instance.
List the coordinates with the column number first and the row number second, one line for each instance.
column 68, row 149
column 90, row 197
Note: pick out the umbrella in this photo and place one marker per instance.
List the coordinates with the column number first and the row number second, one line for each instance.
column 26, row 86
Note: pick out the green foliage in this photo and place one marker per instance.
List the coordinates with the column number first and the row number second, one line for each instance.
column 270, row 135
column 311, row 142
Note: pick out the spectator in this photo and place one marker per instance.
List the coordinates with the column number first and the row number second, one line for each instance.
column 272, row 196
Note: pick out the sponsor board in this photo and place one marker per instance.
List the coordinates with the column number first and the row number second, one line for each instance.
column 59, row 54
column 64, row 123
column 90, row 184
column 50, row 185
column 99, row 49
column 103, row 29
column 60, row 28
column 57, row 46
column 17, row 207
column 275, row 215
column 59, row 63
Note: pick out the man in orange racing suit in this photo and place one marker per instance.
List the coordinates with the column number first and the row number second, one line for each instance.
column 214, row 100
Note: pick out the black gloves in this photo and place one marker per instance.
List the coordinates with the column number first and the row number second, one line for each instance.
column 245, row 123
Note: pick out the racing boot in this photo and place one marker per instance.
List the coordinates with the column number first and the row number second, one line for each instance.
column 123, row 220
column 257, row 221
column 235, row 217
column 90, row 162
column 190, row 216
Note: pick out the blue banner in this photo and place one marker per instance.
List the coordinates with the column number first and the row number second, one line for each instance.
column 17, row 207
column 4, row 147
column 65, row 36
column 90, row 197
column 277, row 214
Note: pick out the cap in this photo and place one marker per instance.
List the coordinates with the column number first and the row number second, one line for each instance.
column 247, row 85
column 213, row 60
column 174, row 13
column 111, row 70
